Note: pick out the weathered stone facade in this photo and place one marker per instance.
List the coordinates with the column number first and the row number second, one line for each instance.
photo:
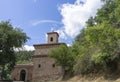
column 43, row 68
column 27, row 72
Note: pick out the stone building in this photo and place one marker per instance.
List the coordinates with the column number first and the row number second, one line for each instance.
column 22, row 72
column 43, row 67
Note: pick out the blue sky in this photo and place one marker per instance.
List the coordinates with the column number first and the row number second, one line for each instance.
column 37, row 17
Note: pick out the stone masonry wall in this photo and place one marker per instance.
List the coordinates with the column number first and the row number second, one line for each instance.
column 55, row 38
column 44, row 67
column 17, row 69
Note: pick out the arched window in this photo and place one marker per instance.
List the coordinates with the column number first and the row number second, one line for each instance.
column 22, row 75
column 51, row 39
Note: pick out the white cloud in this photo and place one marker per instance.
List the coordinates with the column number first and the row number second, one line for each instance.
column 25, row 47
column 28, row 48
column 61, row 34
column 45, row 21
column 75, row 15
column 46, row 37
column 69, row 45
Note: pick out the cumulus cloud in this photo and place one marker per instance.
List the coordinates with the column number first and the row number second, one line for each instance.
column 28, row 48
column 74, row 16
column 61, row 33
column 25, row 48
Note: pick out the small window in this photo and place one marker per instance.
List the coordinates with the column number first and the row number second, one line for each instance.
column 51, row 39
column 39, row 65
column 53, row 65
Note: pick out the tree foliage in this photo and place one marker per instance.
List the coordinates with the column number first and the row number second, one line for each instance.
column 24, row 56
column 10, row 38
column 97, row 47
column 65, row 57
column 99, row 43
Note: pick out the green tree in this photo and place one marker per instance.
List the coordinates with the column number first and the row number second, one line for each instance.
column 109, row 12
column 24, row 56
column 99, row 42
column 107, row 38
column 10, row 38
column 90, row 22
column 100, row 45
column 64, row 57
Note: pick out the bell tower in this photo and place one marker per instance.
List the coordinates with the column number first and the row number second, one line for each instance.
column 52, row 37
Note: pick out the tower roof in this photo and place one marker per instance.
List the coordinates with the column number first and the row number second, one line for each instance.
column 53, row 33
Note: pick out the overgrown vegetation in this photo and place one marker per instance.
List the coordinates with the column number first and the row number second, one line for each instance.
column 97, row 47
column 10, row 38
column 64, row 57
column 24, row 57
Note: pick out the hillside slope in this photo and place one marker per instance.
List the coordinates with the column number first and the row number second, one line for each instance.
column 91, row 79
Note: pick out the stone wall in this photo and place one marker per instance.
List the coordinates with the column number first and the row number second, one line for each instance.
column 44, row 67
column 17, row 69
column 54, row 36
column 43, row 49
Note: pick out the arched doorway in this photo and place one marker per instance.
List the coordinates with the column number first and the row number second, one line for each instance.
column 22, row 75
